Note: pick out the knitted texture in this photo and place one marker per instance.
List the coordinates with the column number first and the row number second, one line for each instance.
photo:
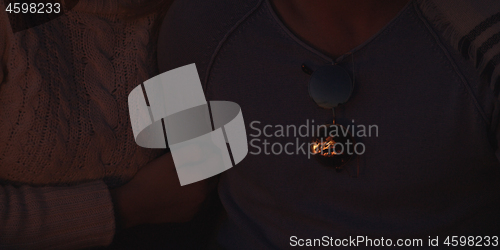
column 63, row 97
column 64, row 120
column 73, row 217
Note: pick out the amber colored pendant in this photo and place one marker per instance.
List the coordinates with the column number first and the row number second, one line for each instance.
column 330, row 146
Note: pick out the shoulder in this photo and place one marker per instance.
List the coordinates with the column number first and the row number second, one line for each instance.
column 472, row 28
column 193, row 30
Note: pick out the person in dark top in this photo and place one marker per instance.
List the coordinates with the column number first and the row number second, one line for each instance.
column 430, row 169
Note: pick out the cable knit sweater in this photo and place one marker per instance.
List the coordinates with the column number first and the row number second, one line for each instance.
column 64, row 123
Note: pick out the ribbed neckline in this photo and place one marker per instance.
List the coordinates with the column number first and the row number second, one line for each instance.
column 323, row 55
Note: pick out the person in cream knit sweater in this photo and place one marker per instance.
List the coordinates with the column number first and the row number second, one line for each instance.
column 66, row 144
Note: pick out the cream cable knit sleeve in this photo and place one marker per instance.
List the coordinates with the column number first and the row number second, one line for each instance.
column 73, row 217
column 64, row 121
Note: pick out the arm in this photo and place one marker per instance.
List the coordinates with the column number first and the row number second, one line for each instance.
column 83, row 216
column 56, row 217
column 155, row 196
column 51, row 217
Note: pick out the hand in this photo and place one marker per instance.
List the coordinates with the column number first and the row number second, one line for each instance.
column 155, row 195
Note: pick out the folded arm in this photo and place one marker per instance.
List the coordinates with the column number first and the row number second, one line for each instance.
column 56, row 217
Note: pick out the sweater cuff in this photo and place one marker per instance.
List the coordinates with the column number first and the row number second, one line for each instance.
column 83, row 215
column 72, row 217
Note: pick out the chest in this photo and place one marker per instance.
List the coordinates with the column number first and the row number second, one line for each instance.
column 405, row 85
